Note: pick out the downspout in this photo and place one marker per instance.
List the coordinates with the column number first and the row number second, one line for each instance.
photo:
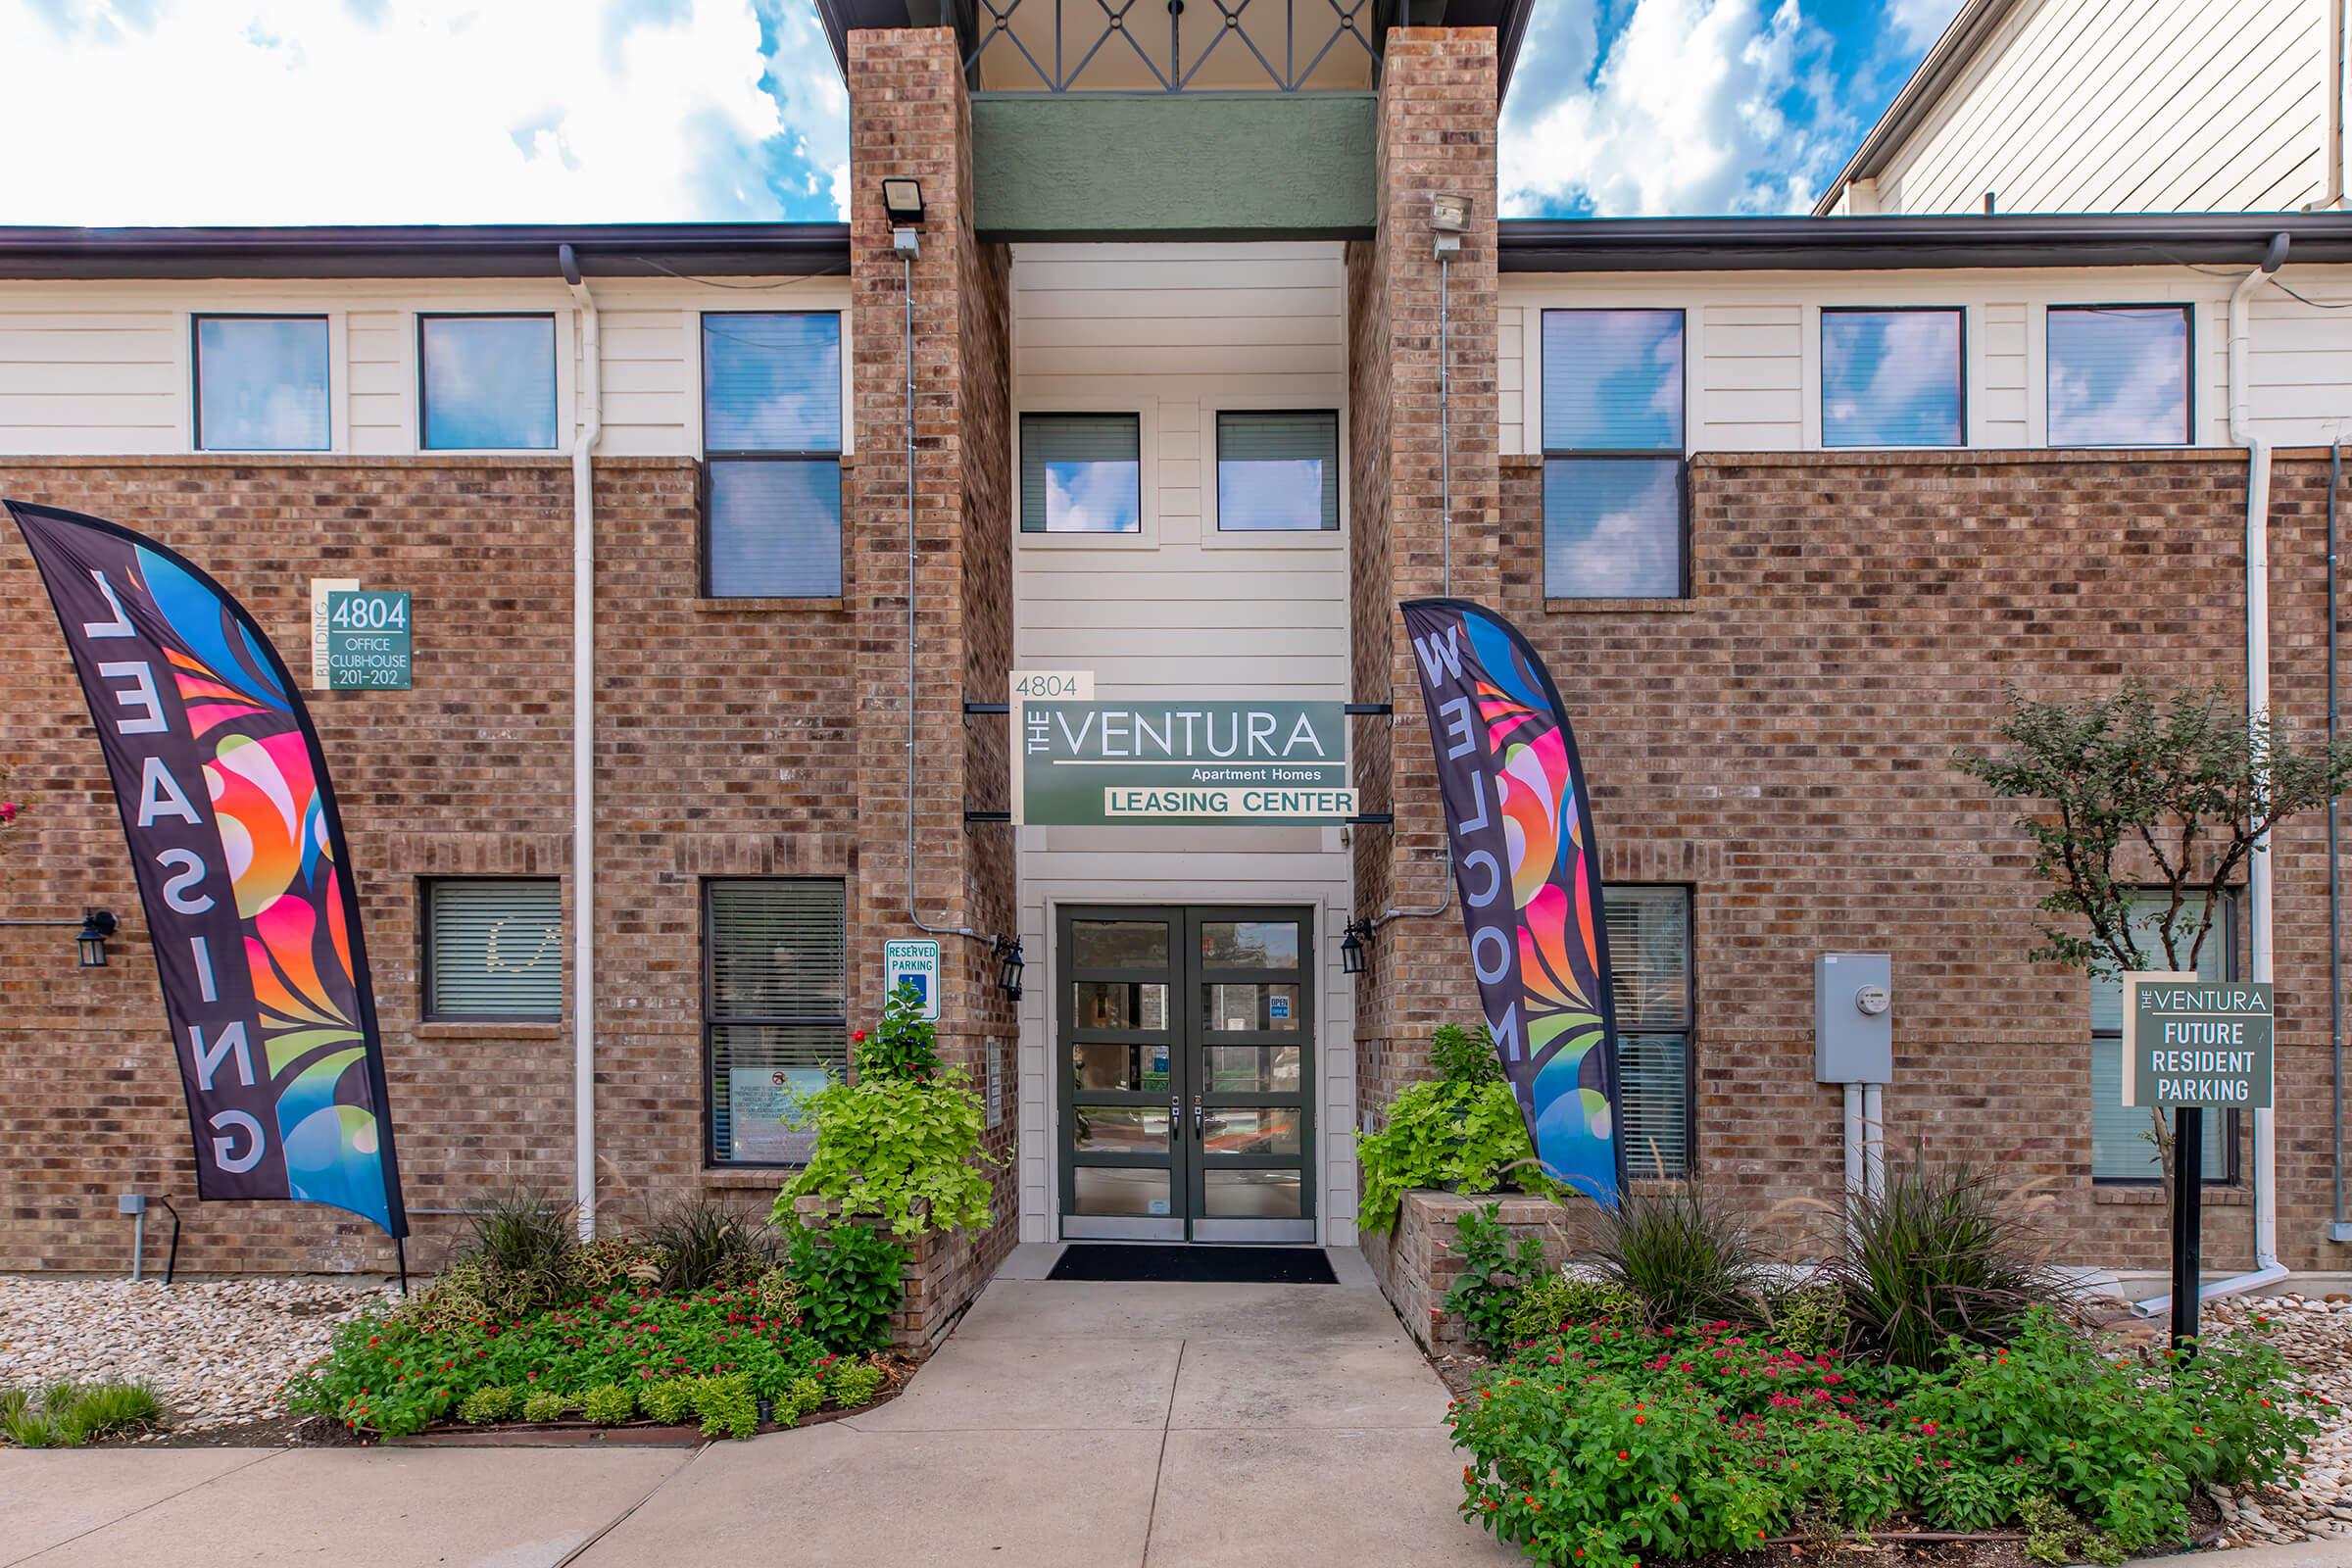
column 2335, row 118
column 2267, row 1267
column 583, row 747
column 2338, row 1229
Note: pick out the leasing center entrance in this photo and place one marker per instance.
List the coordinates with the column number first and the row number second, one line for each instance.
column 1188, row 1035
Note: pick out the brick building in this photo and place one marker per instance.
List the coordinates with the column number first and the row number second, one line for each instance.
column 1179, row 391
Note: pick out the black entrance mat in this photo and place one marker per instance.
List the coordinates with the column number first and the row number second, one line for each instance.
column 1194, row 1265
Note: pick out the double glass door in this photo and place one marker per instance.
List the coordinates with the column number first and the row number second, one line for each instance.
column 1186, row 1040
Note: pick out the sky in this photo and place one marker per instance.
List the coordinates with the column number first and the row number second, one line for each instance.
column 580, row 110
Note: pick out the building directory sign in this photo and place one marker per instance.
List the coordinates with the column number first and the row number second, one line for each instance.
column 2188, row 1041
column 1093, row 763
column 368, row 646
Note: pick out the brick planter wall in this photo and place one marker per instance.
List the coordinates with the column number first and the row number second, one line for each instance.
column 1416, row 1265
column 944, row 1273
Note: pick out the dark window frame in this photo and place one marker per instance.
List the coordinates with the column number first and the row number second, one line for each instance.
column 2230, row 1123
column 2188, row 371
column 704, row 587
column 1217, row 470
column 1688, row 1031
column 1821, row 353
column 428, row 1010
column 555, row 378
column 712, row 1022
column 196, row 321
column 1020, row 420
column 1680, row 453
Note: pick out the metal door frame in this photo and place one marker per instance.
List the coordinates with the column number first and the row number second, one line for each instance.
column 1196, row 1038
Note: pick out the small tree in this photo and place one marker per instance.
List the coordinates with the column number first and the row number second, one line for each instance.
column 2134, row 794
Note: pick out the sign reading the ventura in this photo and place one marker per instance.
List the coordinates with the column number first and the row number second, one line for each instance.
column 1090, row 764
column 2194, row 1041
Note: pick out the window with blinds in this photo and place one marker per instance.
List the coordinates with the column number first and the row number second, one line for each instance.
column 1082, row 473
column 1651, row 982
column 2119, row 375
column 1892, row 378
column 493, row 948
column 2121, row 1149
column 1614, row 487
column 771, row 455
column 1278, row 472
column 775, row 1010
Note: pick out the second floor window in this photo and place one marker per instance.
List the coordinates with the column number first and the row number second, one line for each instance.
column 1890, row 378
column 1278, row 472
column 488, row 383
column 2119, row 375
column 260, row 383
column 1613, row 479
column 771, row 444
column 1082, row 473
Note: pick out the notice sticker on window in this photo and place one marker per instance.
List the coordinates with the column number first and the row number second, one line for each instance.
column 1159, row 1205
column 1278, row 1006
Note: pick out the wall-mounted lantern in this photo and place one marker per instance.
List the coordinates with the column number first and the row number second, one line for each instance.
column 1352, row 947
column 96, row 926
column 1008, row 966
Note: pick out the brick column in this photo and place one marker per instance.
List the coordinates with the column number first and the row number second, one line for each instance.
column 1435, row 133
column 909, row 117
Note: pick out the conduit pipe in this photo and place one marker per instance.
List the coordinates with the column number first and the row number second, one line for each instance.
column 583, row 746
column 2267, row 1267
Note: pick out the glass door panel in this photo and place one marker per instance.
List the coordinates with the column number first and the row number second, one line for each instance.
column 1125, row 1142
column 1250, row 1064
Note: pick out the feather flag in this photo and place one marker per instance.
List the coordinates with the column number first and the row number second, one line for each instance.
column 242, row 870
column 1527, row 868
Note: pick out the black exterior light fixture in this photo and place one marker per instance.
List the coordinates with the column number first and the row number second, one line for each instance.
column 96, row 926
column 1352, row 947
column 1008, row 966
column 903, row 202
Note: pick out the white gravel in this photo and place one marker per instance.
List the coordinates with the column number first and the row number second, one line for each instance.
column 2315, row 1335
column 216, row 1351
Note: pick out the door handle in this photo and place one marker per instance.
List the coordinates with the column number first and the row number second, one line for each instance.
column 1197, row 1116
column 1176, row 1113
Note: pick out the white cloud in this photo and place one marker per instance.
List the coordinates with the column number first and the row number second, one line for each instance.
column 1698, row 106
column 411, row 111
column 1918, row 23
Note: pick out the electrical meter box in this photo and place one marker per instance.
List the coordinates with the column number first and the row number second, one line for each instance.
column 1853, row 1018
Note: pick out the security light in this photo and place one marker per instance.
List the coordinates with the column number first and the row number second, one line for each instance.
column 903, row 202
column 96, row 926
column 1449, row 215
column 1352, row 948
column 1008, row 966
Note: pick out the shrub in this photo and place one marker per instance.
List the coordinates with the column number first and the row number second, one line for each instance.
column 1496, row 1270
column 488, row 1403
column 848, row 1276
column 777, row 1296
column 803, row 1395
column 668, row 1400
column 544, row 1404
column 1938, row 1255
column 70, row 1414
column 726, row 1404
column 706, row 1243
column 1809, row 1319
column 615, row 1263
column 1557, row 1301
column 906, row 1046
column 609, row 1404
column 905, row 1149
column 1451, row 1137
column 1682, row 1255
column 855, row 1383
column 1463, row 1055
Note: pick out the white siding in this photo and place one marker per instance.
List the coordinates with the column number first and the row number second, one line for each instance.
column 1174, row 332
column 2127, row 106
column 1753, row 341
column 103, row 367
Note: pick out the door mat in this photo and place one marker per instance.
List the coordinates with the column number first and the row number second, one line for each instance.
column 1194, row 1265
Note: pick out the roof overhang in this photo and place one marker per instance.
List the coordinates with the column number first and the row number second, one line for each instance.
column 502, row 250
column 1951, row 54
column 1814, row 244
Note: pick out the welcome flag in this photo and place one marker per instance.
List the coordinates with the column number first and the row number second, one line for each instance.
column 1527, row 867
column 242, row 869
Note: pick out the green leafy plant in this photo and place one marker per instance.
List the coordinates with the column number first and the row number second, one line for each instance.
column 523, row 1250
column 1496, row 1268
column 801, row 1397
column 68, row 1415
column 609, row 1404
column 1809, row 1319
column 906, row 1046
column 1464, row 1056
column 848, row 1279
column 704, row 1243
column 905, row 1149
column 1939, row 1257
column 544, row 1404
column 1449, row 1137
column 668, row 1400
column 489, row 1403
column 726, row 1404
column 855, row 1383
column 1680, row 1253
column 1553, row 1303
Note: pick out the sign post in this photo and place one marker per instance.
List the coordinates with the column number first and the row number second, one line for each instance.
column 2190, row 1044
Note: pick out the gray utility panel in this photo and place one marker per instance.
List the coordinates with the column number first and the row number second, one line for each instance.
column 1853, row 1018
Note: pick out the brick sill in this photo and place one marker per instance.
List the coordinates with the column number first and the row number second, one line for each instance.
column 1618, row 606
column 767, row 1178
column 489, row 1029
column 769, row 607
column 2153, row 1196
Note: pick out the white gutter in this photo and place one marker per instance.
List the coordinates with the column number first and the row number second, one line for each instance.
column 583, row 748
column 2267, row 1269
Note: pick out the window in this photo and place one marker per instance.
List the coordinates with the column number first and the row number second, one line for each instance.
column 488, row 383
column 1890, row 378
column 771, row 444
column 1278, row 472
column 775, row 1010
column 1613, row 483
column 493, row 948
column 260, row 383
column 2120, row 1146
column 1650, row 979
column 2119, row 375
column 1082, row 473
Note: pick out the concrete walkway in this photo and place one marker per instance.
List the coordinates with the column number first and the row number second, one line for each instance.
column 1095, row 1425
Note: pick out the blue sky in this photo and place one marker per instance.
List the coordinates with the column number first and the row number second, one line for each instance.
column 481, row 111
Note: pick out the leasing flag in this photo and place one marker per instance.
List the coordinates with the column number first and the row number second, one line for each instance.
column 242, row 869
column 1528, row 869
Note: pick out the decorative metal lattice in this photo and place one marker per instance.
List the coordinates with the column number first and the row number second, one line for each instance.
column 1329, row 26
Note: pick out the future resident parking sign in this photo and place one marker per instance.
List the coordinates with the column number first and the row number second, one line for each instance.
column 2189, row 1041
